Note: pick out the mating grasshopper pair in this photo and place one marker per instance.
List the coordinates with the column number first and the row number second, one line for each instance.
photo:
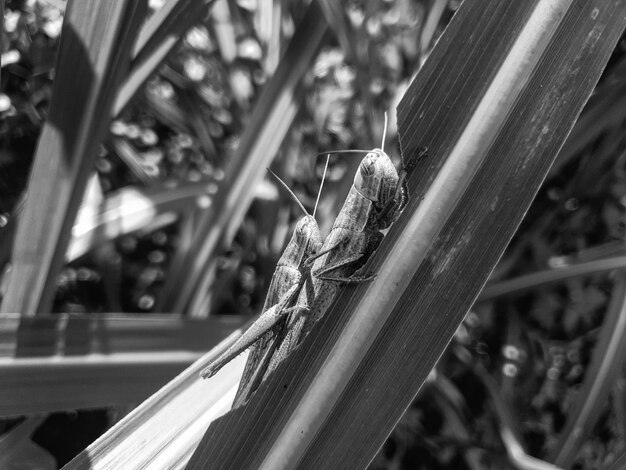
column 309, row 274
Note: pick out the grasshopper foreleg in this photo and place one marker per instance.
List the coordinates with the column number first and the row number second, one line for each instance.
column 247, row 389
column 325, row 274
column 307, row 263
column 354, row 279
column 333, row 270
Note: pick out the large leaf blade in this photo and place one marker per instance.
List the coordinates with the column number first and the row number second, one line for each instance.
column 506, row 79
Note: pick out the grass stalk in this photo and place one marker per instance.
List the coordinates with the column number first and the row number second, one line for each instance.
column 94, row 52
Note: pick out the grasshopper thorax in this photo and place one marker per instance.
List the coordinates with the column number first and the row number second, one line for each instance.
column 377, row 180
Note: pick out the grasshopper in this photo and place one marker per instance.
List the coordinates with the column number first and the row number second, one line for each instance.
column 291, row 272
column 376, row 197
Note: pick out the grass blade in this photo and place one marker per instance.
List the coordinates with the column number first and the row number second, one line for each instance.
column 123, row 150
column 93, row 57
column 505, row 79
column 85, row 381
column 198, row 124
column 431, row 24
column 59, row 334
column 156, row 40
column 163, row 431
column 523, row 283
column 131, row 209
column 90, row 361
column 509, row 433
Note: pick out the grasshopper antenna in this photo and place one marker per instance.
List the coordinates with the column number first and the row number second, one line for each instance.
column 339, row 152
column 382, row 144
column 291, row 193
column 319, row 192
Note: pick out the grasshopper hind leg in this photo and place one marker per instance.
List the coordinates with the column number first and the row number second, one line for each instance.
column 354, row 279
column 244, row 394
column 265, row 323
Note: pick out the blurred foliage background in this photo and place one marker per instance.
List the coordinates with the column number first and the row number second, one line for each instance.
column 543, row 342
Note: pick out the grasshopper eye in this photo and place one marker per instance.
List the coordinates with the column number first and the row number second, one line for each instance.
column 368, row 178
column 367, row 170
column 306, row 227
column 302, row 228
column 368, row 165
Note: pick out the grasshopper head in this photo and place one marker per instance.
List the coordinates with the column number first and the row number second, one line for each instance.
column 377, row 180
column 306, row 238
